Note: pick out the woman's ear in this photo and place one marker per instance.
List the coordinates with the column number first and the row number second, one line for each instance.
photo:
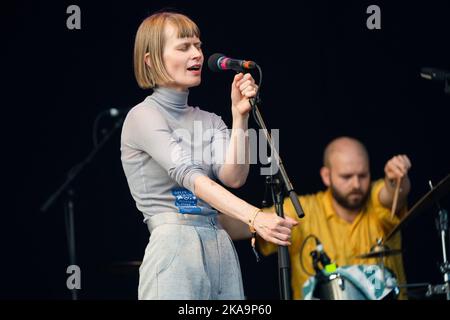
column 147, row 60
column 325, row 174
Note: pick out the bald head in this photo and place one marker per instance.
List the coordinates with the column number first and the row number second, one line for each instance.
column 344, row 147
column 346, row 173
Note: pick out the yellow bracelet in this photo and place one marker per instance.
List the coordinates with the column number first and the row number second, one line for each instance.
column 251, row 222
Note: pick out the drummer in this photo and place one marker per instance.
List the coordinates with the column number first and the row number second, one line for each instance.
column 349, row 216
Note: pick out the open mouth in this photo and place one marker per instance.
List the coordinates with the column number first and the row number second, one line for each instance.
column 195, row 67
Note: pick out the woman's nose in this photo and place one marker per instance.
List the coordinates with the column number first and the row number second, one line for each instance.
column 197, row 52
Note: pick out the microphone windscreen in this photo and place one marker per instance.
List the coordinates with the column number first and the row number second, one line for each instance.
column 212, row 62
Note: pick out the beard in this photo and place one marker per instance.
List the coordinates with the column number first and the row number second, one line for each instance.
column 354, row 200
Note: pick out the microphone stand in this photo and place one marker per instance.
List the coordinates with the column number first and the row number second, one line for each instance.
column 69, row 205
column 278, row 186
column 283, row 254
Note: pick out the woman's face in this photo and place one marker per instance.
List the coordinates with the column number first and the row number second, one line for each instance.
column 183, row 59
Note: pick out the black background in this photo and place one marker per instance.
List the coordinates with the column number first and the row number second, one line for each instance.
column 325, row 75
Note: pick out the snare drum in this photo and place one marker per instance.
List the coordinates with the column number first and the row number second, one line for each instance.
column 337, row 287
column 358, row 282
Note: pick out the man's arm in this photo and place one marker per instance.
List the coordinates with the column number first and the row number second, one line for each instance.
column 396, row 168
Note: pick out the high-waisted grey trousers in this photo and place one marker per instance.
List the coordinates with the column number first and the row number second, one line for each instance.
column 189, row 257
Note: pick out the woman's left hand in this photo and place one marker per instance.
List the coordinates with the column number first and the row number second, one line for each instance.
column 242, row 90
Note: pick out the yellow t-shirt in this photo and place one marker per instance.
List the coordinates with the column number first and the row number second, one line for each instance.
column 342, row 241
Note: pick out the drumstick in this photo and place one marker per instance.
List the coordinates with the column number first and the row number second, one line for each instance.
column 394, row 202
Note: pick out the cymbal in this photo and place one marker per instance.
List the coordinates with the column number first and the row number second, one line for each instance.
column 440, row 190
column 380, row 253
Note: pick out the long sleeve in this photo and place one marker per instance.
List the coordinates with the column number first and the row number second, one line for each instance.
column 146, row 129
column 219, row 144
column 165, row 146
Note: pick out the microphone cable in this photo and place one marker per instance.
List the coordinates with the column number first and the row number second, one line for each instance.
column 257, row 100
column 302, row 248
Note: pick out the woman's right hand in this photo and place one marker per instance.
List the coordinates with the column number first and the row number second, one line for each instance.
column 273, row 228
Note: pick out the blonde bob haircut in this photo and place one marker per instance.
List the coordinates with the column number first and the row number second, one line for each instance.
column 150, row 39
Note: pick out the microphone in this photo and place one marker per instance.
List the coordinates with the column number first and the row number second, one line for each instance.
column 315, row 261
column 324, row 259
column 219, row 62
column 434, row 74
column 114, row 112
column 111, row 112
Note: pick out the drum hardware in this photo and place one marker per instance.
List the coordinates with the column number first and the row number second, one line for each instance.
column 336, row 287
column 415, row 290
column 361, row 282
column 355, row 282
column 430, row 289
column 429, row 199
column 442, row 227
column 380, row 254
column 414, row 285
column 437, row 289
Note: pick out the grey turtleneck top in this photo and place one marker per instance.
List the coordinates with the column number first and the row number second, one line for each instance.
column 165, row 145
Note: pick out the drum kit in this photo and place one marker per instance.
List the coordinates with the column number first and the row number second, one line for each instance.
column 374, row 282
column 349, row 283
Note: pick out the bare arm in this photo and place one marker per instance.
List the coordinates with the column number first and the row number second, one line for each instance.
column 268, row 225
column 235, row 228
column 235, row 170
column 396, row 168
